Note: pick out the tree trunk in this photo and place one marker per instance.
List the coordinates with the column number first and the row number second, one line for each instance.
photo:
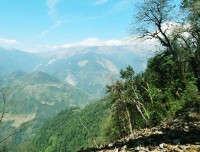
column 129, row 121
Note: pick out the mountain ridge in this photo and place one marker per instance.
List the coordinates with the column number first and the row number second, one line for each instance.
column 88, row 68
column 33, row 101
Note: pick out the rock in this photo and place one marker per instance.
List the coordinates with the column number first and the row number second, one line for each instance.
column 162, row 146
column 159, row 132
column 125, row 147
column 180, row 134
column 169, row 147
column 137, row 148
column 116, row 150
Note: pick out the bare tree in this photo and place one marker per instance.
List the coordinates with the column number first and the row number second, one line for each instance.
column 127, row 98
column 5, row 103
column 4, row 94
column 155, row 20
column 151, row 16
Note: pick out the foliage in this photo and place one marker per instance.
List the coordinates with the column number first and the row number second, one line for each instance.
column 38, row 95
column 66, row 132
column 170, row 82
column 171, row 78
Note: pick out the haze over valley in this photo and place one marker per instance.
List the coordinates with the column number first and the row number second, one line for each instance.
column 43, row 84
column 99, row 75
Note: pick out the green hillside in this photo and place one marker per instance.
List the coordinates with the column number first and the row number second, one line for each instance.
column 32, row 91
column 67, row 132
column 89, row 68
column 152, row 109
column 14, row 59
column 36, row 97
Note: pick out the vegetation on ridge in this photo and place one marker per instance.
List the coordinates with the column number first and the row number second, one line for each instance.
column 170, row 82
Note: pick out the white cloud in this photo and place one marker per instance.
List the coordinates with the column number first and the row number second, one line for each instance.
column 52, row 12
column 51, row 4
column 56, row 25
column 134, row 44
column 89, row 42
column 7, row 41
column 100, row 2
column 120, row 6
column 137, row 46
column 44, row 33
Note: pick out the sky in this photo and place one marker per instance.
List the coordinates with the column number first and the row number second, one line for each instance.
column 38, row 25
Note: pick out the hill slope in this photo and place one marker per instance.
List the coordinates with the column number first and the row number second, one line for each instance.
column 35, row 90
column 36, row 97
column 182, row 133
column 87, row 68
column 92, row 68
column 12, row 60
column 72, row 129
column 67, row 132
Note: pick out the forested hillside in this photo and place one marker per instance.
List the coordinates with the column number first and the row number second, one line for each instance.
column 156, row 109
column 30, row 99
column 72, row 129
column 171, row 78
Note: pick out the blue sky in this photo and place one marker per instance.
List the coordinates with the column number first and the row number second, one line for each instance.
column 34, row 24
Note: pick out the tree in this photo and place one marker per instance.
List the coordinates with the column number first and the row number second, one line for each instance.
column 152, row 15
column 4, row 93
column 127, row 100
column 131, row 91
column 155, row 21
column 192, row 43
column 119, row 110
column 5, row 104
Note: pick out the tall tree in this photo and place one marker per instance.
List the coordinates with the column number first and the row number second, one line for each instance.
column 126, row 99
column 192, row 42
column 151, row 16
column 156, row 21
column 4, row 104
column 4, row 93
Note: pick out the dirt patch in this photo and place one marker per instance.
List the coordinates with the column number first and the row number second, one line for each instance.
column 19, row 119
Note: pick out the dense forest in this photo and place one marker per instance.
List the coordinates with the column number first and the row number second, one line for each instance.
column 170, row 82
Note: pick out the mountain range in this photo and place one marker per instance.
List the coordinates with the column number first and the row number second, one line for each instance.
column 43, row 84
column 35, row 97
column 88, row 68
column 41, row 95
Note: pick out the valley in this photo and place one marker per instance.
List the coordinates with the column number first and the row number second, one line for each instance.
column 72, row 79
column 46, row 85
